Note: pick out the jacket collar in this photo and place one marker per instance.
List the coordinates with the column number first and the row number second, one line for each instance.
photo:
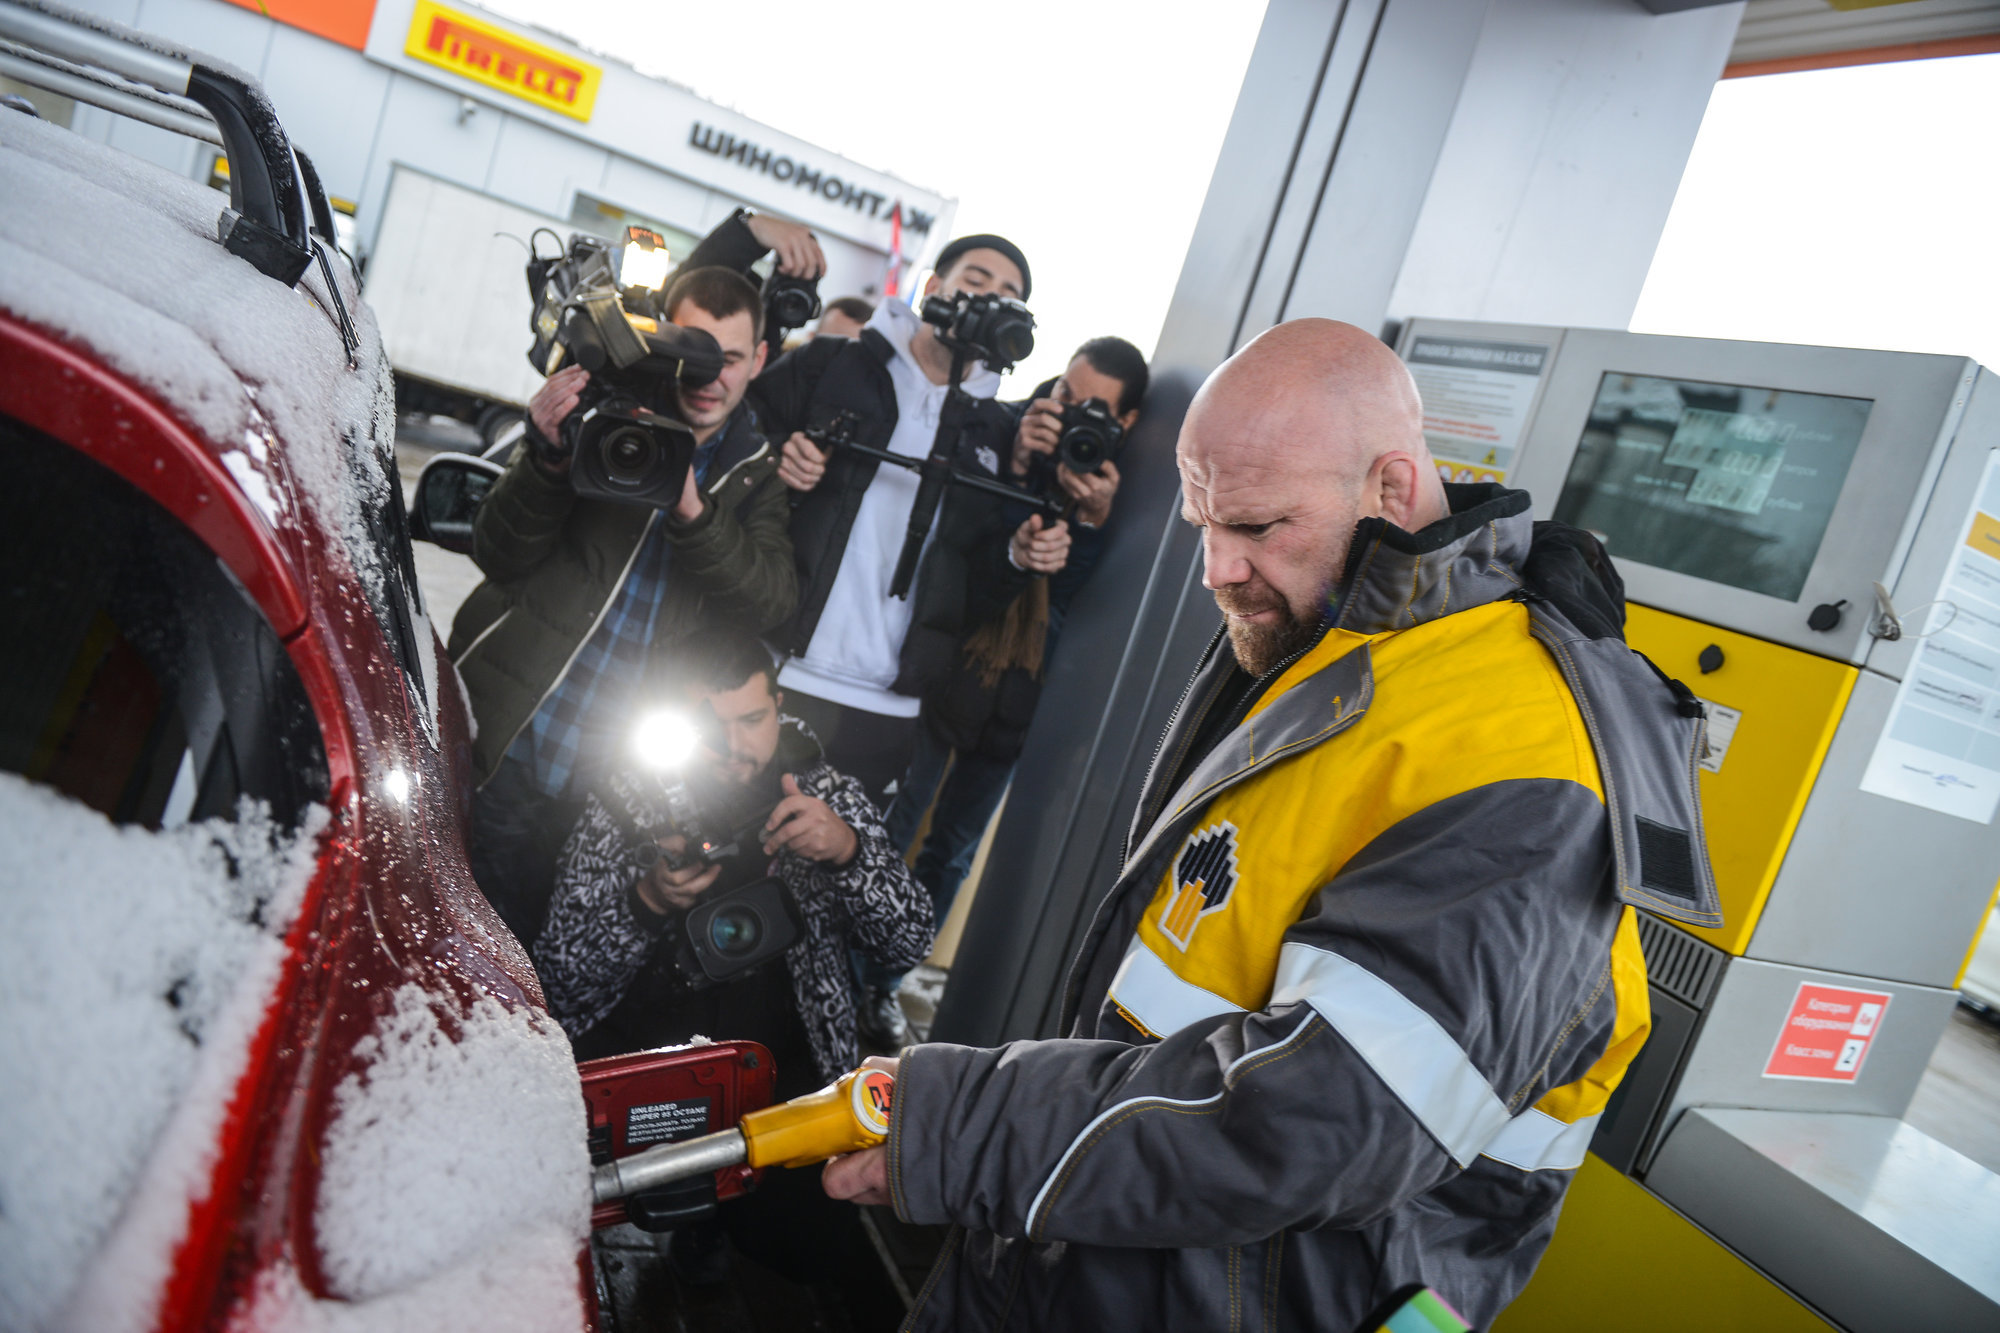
column 1393, row 580
column 742, row 439
column 1396, row 579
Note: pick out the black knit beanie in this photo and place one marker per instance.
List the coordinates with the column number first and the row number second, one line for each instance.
column 986, row 241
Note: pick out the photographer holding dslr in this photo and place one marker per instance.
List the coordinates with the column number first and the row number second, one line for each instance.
column 863, row 648
column 755, row 802
column 645, row 508
column 718, row 893
column 975, row 718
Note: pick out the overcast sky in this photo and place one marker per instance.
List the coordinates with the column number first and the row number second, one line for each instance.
column 1851, row 206
column 1856, row 207
column 1085, row 132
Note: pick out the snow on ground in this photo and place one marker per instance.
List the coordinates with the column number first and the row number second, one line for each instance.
column 134, row 969
column 447, row 1150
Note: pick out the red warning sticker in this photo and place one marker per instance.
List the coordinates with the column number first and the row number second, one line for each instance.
column 1827, row 1033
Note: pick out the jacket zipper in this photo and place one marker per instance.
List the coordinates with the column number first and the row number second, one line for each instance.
column 1252, row 694
column 1074, row 980
column 498, row 621
column 715, row 487
column 1339, row 614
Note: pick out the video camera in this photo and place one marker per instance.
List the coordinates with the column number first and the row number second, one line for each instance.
column 725, row 933
column 600, row 308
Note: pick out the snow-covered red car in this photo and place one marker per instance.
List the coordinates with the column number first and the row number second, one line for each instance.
column 267, row 1057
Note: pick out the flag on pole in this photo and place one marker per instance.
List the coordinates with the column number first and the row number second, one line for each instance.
column 892, row 279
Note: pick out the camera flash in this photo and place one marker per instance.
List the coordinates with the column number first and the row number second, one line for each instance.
column 664, row 740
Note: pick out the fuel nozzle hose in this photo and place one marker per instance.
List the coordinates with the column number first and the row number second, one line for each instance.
column 846, row 1116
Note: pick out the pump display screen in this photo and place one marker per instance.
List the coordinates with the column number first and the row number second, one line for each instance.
column 1726, row 482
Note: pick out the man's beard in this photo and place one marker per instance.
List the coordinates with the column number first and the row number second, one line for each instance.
column 1261, row 647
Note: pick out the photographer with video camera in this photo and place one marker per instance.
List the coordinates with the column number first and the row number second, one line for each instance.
column 644, row 509
column 873, row 628
column 713, row 886
column 975, row 718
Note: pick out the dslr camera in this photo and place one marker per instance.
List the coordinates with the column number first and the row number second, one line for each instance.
column 1090, row 437
column 995, row 329
column 789, row 303
column 726, row 934
column 600, row 308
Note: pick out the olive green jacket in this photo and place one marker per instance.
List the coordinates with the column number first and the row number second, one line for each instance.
column 553, row 564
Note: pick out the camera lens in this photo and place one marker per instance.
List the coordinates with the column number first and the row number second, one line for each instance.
column 629, row 456
column 791, row 307
column 1083, row 449
column 1014, row 339
column 735, row 930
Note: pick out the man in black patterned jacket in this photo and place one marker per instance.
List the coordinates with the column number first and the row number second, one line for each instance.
column 603, row 954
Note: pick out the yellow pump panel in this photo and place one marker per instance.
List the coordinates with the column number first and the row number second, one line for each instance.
column 1791, row 703
column 1621, row 1259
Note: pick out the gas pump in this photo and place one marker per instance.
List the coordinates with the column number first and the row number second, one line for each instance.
column 1810, row 539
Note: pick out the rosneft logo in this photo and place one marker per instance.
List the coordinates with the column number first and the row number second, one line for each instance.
column 1204, row 877
column 499, row 59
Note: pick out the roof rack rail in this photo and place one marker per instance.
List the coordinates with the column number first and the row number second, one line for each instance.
column 268, row 222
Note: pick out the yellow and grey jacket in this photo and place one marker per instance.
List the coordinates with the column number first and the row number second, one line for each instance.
column 1368, row 977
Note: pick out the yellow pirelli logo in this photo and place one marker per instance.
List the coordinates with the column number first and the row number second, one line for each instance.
column 499, row 59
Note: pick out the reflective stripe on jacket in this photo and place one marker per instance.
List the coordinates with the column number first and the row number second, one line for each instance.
column 1370, row 973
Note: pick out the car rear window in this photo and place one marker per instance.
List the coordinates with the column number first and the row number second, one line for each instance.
column 136, row 674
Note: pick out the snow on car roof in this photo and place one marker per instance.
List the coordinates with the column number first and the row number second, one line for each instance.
column 120, row 257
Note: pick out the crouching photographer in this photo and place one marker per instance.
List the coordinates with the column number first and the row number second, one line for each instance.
column 716, row 880
column 645, row 509
column 714, row 886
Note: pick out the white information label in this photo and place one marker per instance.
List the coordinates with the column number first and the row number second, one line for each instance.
column 1476, row 400
column 1941, row 748
column 1722, row 723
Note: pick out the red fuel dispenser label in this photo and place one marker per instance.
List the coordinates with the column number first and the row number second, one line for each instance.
column 1827, row 1033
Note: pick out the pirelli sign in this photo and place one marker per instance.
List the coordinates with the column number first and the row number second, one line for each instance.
column 499, row 59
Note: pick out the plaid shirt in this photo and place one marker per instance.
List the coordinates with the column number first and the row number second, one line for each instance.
column 589, row 699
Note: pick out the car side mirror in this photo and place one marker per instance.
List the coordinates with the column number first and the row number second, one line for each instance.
column 449, row 492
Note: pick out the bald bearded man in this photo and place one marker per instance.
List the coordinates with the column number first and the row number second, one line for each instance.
column 1371, row 971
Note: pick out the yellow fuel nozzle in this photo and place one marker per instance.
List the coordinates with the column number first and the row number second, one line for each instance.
column 847, row 1116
